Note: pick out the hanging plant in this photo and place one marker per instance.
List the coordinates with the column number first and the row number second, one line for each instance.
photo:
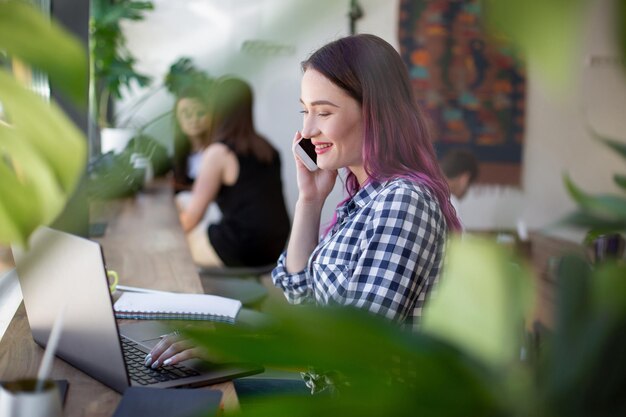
column 113, row 64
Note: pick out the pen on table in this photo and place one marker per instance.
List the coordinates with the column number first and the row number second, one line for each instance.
column 127, row 288
column 51, row 347
column 176, row 332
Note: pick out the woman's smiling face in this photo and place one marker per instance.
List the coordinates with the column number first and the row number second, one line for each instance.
column 192, row 116
column 333, row 121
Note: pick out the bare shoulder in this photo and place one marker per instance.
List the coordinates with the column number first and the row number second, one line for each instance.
column 216, row 150
column 218, row 159
column 216, row 154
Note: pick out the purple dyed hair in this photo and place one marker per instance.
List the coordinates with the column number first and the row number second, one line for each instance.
column 397, row 142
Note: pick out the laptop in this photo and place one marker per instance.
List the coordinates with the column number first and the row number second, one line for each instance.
column 59, row 269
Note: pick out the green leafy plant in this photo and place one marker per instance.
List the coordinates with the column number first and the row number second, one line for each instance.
column 548, row 32
column 42, row 154
column 114, row 175
column 149, row 147
column 588, row 372
column 112, row 63
column 604, row 213
column 182, row 74
column 582, row 369
column 467, row 360
column 377, row 368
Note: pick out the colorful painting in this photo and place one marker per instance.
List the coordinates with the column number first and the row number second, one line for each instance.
column 472, row 86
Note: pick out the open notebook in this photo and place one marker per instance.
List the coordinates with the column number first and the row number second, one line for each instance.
column 176, row 306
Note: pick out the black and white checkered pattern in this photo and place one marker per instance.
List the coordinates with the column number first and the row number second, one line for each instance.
column 384, row 254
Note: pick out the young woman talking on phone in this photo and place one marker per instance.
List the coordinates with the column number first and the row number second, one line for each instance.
column 384, row 248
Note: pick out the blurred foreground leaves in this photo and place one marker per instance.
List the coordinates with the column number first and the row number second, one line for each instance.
column 42, row 154
column 548, row 31
column 582, row 367
column 383, row 369
column 26, row 34
column 484, row 297
column 467, row 360
column 600, row 213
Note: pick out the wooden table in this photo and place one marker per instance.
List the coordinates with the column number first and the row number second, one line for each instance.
column 145, row 244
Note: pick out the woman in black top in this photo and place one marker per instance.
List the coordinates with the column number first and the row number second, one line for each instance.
column 240, row 171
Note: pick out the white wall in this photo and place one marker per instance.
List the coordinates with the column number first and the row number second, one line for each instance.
column 212, row 33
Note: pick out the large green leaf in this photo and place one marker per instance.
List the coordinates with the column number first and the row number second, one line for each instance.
column 482, row 300
column 381, row 368
column 107, row 13
column 616, row 145
column 609, row 207
column 584, row 369
column 20, row 208
column 477, row 313
column 548, row 31
column 610, row 288
column 597, row 225
column 26, row 34
column 42, row 154
column 620, row 180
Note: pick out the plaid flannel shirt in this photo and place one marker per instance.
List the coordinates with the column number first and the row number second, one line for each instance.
column 383, row 254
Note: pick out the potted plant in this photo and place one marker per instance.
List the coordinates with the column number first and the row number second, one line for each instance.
column 113, row 174
column 112, row 67
column 112, row 64
column 42, row 153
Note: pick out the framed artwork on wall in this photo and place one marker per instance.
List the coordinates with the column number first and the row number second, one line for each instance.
column 472, row 86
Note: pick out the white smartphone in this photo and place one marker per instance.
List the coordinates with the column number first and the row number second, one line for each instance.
column 306, row 152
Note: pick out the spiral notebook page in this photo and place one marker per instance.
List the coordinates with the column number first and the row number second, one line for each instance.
column 176, row 306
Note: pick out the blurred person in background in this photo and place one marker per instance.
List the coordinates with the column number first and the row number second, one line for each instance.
column 460, row 167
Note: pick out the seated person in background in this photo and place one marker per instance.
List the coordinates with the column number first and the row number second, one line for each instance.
column 191, row 128
column 460, row 167
column 384, row 249
column 241, row 172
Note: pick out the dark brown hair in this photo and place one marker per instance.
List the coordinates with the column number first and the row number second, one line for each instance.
column 458, row 161
column 231, row 120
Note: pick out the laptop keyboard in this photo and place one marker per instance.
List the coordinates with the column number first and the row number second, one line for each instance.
column 144, row 375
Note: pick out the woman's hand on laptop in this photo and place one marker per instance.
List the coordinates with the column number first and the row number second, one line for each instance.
column 171, row 350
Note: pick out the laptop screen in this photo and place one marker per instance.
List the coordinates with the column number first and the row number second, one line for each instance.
column 59, row 269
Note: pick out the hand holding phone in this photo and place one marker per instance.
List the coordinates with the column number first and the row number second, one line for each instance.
column 306, row 152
